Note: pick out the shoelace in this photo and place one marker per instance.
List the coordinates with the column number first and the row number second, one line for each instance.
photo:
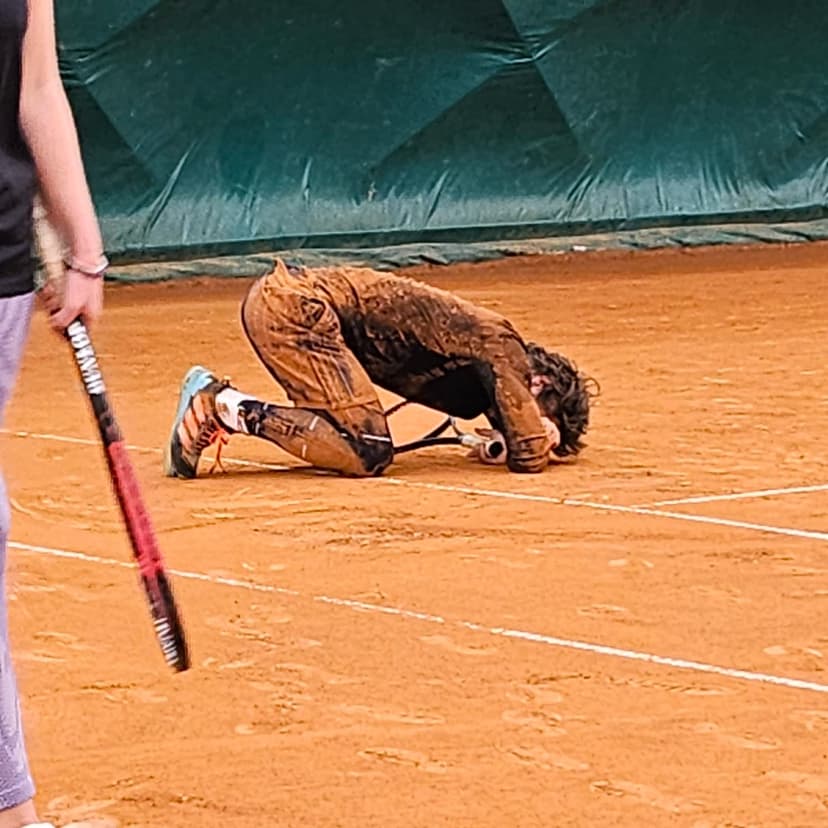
column 221, row 438
column 212, row 434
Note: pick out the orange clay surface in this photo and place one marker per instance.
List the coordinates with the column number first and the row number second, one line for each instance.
column 450, row 645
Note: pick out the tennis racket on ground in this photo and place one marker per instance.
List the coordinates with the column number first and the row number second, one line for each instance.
column 493, row 448
column 165, row 616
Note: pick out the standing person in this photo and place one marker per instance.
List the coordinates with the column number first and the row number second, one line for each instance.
column 328, row 335
column 38, row 150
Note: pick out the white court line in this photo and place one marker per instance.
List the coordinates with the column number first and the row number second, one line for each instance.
column 714, row 521
column 472, row 490
column 84, row 441
column 822, row 487
column 496, row 493
column 59, row 438
column 502, row 632
column 611, row 507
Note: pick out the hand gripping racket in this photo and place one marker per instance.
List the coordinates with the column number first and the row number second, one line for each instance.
column 49, row 250
column 165, row 617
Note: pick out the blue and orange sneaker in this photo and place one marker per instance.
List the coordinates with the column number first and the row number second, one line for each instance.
column 196, row 426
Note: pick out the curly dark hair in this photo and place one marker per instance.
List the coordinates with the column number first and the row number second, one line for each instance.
column 565, row 398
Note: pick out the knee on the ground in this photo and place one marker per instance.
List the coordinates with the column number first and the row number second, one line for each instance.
column 371, row 458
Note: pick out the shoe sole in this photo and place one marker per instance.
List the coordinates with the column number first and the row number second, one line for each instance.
column 196, row 379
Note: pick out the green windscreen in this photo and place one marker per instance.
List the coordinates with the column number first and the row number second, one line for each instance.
column 231, row 126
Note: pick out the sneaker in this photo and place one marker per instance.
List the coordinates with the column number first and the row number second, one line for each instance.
column 196, row 426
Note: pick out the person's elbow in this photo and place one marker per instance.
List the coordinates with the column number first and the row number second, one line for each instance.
column 41, row 99
column 533, row 465
column 529, row 456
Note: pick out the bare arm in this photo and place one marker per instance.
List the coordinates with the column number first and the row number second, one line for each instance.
column 49, row 128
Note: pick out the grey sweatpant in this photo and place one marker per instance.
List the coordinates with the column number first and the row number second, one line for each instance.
column 15, row 780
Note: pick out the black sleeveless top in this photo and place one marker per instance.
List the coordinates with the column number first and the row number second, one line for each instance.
column 17, row 174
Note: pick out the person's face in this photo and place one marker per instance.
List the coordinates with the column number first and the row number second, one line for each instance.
column 537, row 384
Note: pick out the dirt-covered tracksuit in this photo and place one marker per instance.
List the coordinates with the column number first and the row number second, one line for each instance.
column 328, row 335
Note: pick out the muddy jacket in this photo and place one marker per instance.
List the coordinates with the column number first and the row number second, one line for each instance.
column 433, row 348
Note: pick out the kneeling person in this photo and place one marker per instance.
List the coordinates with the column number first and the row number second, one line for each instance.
column 329, row 335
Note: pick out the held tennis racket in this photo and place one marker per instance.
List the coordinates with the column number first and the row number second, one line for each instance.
column 163, row 609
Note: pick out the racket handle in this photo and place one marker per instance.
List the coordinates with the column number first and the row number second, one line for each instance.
column 491, row 448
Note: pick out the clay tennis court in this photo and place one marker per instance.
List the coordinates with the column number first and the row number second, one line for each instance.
column 635, row 639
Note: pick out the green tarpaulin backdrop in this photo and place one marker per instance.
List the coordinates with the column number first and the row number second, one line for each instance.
column 231, row 126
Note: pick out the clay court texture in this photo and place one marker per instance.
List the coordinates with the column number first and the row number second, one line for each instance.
column 635, row 639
